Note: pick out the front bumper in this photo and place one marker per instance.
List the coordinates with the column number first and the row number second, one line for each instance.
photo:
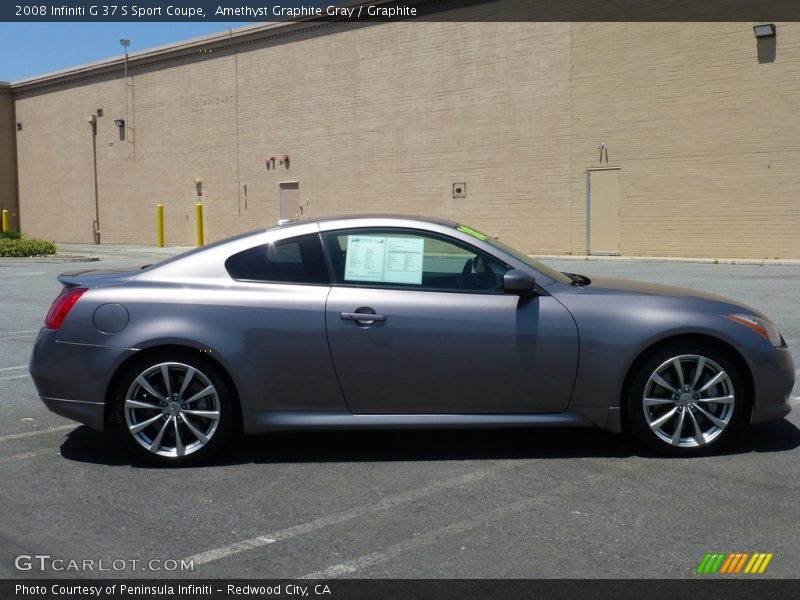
column 72, row 379
column 773, row 379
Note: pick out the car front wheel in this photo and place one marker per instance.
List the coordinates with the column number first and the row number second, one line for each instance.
column 174, row 409
column 686, row 399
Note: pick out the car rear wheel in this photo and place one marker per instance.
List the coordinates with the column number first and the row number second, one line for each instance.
column 685, row 400
column 174, row 409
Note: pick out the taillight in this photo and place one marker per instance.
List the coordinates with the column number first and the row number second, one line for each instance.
column 61, row 307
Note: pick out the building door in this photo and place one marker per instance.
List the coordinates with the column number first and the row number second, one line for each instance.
column 289, row 205
column 602, row 208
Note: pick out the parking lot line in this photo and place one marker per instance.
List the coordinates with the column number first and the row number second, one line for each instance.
column 13, row 368
column 23, row 376
column 19, row 316
column 418, row 541
column 18, row 436
column 295, row 530
column 24, row 455
column 18, row 337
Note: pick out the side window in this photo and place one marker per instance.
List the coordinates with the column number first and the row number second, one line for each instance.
column 294, row 260
column 410, row 259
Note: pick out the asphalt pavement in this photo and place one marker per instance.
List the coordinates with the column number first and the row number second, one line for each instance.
column 474, row 504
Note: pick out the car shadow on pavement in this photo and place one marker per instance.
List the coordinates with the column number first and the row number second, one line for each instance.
column 88, row 446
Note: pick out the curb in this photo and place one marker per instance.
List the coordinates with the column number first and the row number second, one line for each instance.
column 53, row 258
column 762, row 262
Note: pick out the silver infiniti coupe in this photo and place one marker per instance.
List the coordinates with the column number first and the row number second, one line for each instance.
column 365, row 322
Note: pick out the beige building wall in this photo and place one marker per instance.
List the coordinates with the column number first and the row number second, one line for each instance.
column 706, row 128
column 387, row 117
column 8, row 156
column 376, row 118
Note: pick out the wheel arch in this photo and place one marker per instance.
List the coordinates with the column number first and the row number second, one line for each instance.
column 119, row 373
column 690, row 338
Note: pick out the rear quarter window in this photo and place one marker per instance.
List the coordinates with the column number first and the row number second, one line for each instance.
column 294, row 260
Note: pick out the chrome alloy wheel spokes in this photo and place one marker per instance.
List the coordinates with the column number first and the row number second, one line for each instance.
column 172, row 409
column 688, row 400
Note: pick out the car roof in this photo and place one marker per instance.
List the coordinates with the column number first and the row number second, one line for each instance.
column 383, row 218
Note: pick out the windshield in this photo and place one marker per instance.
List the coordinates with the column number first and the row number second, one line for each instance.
column 542, row 268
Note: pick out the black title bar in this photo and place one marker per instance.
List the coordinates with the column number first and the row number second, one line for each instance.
column 709, row 588
column 387, row 10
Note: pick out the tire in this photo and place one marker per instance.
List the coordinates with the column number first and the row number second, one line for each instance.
column 668, row 404
column 174, row 409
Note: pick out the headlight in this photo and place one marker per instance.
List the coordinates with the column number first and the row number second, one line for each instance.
column 761, row 326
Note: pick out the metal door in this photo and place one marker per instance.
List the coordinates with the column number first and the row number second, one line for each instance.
column 603, row 210
column 290, row 207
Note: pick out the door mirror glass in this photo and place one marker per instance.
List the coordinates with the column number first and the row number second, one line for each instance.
column 518, row 282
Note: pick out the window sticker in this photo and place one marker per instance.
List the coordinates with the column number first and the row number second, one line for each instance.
column 404, row 260
column 384, row 259
column 365, row 258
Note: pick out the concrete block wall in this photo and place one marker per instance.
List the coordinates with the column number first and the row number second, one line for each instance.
column 8, row 156
column 387, row 117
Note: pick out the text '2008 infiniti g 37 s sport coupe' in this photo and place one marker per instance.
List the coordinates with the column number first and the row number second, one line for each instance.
column 369, row 322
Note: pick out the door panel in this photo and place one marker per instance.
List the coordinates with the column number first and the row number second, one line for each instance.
column 439, row 352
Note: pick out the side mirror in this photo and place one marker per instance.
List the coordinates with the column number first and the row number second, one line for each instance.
column 518, row 282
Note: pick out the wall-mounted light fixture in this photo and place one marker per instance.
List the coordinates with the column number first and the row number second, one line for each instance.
column 285, row 161
column 19, row 125
column 764, row 31
column 119, row 122
column 99, row 112
column 91, row 119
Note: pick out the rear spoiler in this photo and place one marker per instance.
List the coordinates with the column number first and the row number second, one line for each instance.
column 97, row 277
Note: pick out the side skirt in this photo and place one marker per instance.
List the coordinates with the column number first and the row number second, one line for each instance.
column 261, row 422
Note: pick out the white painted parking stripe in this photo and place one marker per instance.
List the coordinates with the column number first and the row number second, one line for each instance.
column 418, row 541
column 18, row 337
column 26, row 434
column 25, row 376
column 295, row 530
column 13, row 368
column 26, row 455
column 16, row 332
column 230, row 550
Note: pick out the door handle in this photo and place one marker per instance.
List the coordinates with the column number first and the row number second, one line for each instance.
column 362, row 317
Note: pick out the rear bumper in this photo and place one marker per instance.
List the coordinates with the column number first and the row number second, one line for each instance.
column 72, row 379
column 773, row 379
column 89, row 413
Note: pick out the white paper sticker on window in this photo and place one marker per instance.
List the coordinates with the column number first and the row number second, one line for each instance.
column 365, row 258
column 404, row 260
column 389, row 259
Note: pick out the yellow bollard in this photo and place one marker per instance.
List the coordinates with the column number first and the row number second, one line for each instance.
column 160, row 225
column 198, row 223
column 6, row 226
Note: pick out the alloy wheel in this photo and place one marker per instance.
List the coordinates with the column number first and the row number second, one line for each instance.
column 688, row 401
column 172, row 409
